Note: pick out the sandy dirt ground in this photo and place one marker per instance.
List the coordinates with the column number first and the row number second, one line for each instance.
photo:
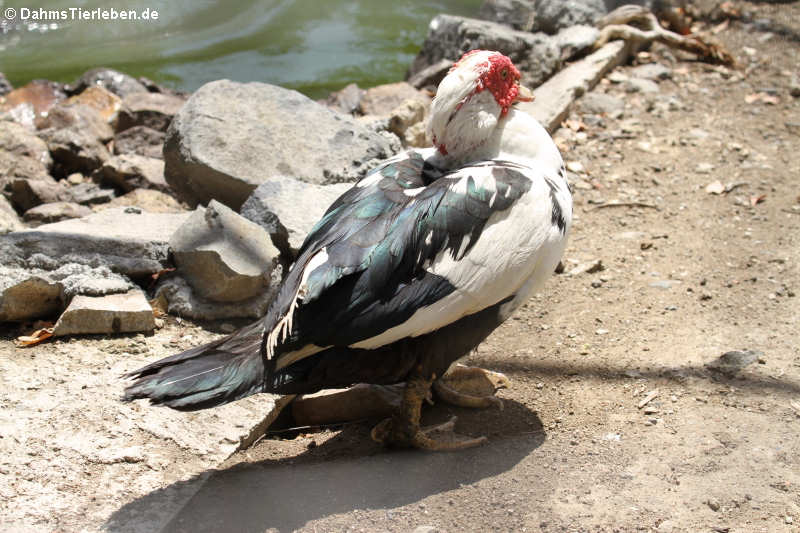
column 619, row 418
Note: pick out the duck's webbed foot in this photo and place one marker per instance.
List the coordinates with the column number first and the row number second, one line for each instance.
column 404, row 430
column 469, row 386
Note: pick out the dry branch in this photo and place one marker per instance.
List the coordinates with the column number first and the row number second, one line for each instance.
column 638, row 26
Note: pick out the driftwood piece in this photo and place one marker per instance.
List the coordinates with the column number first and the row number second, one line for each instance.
column 639, row 26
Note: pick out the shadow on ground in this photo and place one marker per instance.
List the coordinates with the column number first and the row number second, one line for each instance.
column 345, row 473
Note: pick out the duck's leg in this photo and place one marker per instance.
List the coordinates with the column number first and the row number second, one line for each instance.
column 403, row 429
column 469, row 386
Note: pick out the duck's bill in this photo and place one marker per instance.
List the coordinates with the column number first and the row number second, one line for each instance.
column 524, row 95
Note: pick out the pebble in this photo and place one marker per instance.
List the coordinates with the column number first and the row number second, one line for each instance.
column 704, row 168
column 713, row 504
column 575, row 166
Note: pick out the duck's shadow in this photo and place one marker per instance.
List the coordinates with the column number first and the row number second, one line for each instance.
column 285, row 494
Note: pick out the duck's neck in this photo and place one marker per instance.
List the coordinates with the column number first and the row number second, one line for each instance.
column 517, row 137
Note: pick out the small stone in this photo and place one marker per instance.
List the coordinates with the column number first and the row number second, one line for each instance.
column 113, row 313
column 589, row 267
column 639, row 85
column 76, row 178
column 664, row 283
column 426, row 529
column 383, row 99
column 133, row 171
column 575, row 166
column 154, row 110
column 602, row 104
column 713, row 504
column 601, row 332
column 651, row 71
column 788, row 520
column 704, row 168
column 88, row 193
column 55, row 211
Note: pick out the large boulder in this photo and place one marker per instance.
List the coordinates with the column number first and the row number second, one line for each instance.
column 537, row 55
column 231, row 137
column 225, row 257
column 125, row 239
column 381, row 100
column 288, row 208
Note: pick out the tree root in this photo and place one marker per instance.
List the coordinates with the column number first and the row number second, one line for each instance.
column 638, row 26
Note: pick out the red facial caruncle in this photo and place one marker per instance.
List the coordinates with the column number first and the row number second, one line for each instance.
column 501, row 78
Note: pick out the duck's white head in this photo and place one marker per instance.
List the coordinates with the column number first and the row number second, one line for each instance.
column 471, row 101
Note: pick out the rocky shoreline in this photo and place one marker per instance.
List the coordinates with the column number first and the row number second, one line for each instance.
column 98, row 177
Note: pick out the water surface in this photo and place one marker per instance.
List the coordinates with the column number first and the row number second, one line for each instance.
column 314, row 46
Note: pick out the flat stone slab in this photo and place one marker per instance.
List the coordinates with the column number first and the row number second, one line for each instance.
column 113, row 313
column 63, row 425
column 554, row 97
column 128, row 240
column 42, row 287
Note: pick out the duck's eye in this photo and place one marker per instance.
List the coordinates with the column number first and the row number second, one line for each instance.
column 504, row 73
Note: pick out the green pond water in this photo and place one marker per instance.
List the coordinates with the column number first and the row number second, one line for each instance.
column 312, row 46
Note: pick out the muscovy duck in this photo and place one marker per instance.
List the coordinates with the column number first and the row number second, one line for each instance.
column 408, row 270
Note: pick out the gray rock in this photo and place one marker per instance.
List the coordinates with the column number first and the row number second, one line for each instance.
column 88, row 193
column 732, row 362
column 112, row 80
column 230, row 137
column 140, row 140
column 383, row 99
column 75, row 149
column 9, row 220
column 346, row 100
column 54, row 212
column 83, row 118
column 430, row 76
column 113, row 313
column 178, row 298
column 651, row 71
column 576, row 40
column 28, row 291
column 24, row 295
column 519, row 14
column 640, row 85
column 555, row 15
column 132, row 171
column 19, row 140
column 598, row 103
column 359, row 402
column 287, row 209
column 535, row 54
column 225, row 257
column 154, row 110
column 26, row 184
column 128, row 240
column 5, row 85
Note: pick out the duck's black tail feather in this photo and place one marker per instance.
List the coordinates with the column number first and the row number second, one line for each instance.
column 206, row 376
